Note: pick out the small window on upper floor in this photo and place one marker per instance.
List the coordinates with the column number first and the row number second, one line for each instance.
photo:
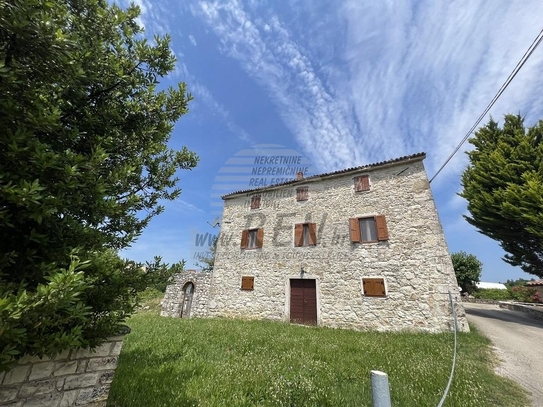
column 362, row 183
column 368, row 229
column 305, row 234
column 252, row 238
column 302, row 194
column 255, row 202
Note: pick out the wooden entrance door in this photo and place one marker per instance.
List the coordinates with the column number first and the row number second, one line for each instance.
column 188, row 292
column 303, row 302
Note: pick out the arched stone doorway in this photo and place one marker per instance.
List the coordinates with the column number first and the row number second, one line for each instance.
column 188, row 292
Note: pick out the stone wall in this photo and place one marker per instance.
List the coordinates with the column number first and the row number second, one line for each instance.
column 479, row 300
column 532, row 309
column 72, row 378
column 414, row 262
column 173, row 298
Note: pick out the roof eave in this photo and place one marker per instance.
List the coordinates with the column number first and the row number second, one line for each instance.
column 320, row 177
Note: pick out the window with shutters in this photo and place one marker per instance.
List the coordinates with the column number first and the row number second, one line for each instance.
column 247, row 283
column 305, row 234
column 362, row 183
column 369, row 229
column 255, row 202
column 252, row 238
column 302, row 194
column 374, row 287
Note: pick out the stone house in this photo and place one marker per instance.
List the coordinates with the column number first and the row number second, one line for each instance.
column 361, row 248
column 537, row 285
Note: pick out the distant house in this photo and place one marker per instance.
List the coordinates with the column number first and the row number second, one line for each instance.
column 359, row 248
column 537, row 284
column 490, row 286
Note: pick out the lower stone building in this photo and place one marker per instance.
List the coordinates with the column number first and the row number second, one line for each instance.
column 187, row 295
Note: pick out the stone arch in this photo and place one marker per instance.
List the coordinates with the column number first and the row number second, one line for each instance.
column 186, row 303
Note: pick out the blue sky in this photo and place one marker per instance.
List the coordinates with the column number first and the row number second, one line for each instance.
column 342, row 84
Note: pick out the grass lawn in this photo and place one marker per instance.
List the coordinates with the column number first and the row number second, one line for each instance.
column 221, row 362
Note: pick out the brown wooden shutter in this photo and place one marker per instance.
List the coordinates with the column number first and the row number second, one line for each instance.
column 362, row 183
column 382, row 230
column 380, row 287
column 259, row 237
column 312, row 234
column 374, row 287
column 244, row 239
column 354, row 230
column 365, row 182
column 247, row 283
column 369, row 287
column 255, row 202
column 298, row 235
column 302, row 193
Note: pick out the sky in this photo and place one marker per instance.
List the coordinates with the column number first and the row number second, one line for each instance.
column 340, row 84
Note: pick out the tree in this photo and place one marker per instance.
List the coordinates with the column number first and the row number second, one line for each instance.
column 207, row 261
column 161, row 273
column 503, row 185
column 84, row 164
column 467, row 269
column 520, row 282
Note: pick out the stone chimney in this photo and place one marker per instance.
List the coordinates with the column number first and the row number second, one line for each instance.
column 300, row 175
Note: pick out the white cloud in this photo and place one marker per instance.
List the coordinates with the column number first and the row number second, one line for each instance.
column 192, row 40
column 400, row 77
column 185, row 206
column 456, row 203
column 431, row 69
column 266, row 50
column 202, row 94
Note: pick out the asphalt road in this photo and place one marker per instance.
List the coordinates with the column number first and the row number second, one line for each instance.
column 518, row 340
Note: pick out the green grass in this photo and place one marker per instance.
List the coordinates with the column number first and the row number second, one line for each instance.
column 222, row 362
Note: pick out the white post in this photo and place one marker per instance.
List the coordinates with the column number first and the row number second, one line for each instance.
column 379, row 389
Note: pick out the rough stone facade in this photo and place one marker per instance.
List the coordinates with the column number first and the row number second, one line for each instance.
column 175, row 296
column 413, row 262
column 78, row 377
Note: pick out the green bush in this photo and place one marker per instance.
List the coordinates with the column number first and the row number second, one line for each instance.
column 467, row 269
column 84, row 166
column 524, row 294
column 77, row 306
column 160, row 273
column 492, row 294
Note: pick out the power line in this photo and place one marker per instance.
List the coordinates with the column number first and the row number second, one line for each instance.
column 511, row 76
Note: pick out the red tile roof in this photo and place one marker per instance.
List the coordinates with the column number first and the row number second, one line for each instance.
column 535, row 282
column 394, row 161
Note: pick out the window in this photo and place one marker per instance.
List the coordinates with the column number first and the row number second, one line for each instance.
column 362, row 183
column 374, row 287
column 302, row 194
column 252, row 238
column 305, row 234
column 255, row 202
column 247, row 283
column 368, row 229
